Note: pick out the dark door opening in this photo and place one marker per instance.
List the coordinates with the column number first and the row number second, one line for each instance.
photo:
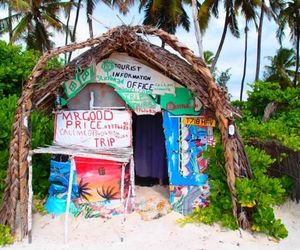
column 149, row 150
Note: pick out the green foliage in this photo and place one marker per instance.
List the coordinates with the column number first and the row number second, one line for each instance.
column 15, row 67
column 282, row 67
column 39, row 205
column 42, row 135
column 284, row 125
column 5, row 235
column 263, row 93
column 264, row 221
column 42, row 127
column 7, row 110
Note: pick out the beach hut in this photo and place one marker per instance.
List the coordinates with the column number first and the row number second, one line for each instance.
column 121, row 71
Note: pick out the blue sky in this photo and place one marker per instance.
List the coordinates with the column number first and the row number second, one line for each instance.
column 232, row 52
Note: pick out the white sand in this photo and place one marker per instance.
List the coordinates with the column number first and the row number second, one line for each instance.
column 162, row 233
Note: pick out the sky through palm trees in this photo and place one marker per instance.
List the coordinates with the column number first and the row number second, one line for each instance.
column 230, row 57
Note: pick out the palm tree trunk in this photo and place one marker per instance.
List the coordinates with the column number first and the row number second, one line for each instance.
column 198, row 32
column 297, row 57
column 41, row 29
column 90, row 23
column 75, row 25
column 221, row 43
column 9, row 23
column 245, row 62
column 259, row 35
column 67, row 28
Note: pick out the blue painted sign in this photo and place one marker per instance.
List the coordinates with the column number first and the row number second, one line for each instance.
column 185, row 145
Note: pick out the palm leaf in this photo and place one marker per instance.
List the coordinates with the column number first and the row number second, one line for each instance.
column 19, row 5
column 20, row 28
column 233, row 24
column 57, row 6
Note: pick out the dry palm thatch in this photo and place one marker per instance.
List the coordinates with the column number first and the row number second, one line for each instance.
column 190, row 72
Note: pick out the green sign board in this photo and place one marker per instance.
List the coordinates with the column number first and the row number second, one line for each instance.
column 183, row 103
column 139, row 102
column 73, row 86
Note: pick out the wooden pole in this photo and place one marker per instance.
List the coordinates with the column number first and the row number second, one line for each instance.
column 122, row 182
column 30, row 195
column 132, row 182
column 72, row 168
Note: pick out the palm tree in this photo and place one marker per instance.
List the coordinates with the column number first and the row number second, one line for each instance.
column 165, row 14
column 290, row 15
column 202, row 13
column 75, row 25
column 90, row 6
column 271, row 11
column 68, row 13
column 35, row 18
column 248, row 10
column 122, row 5
column 83, row 190
column 231, row 23
column 281, row 66
column 198, row 32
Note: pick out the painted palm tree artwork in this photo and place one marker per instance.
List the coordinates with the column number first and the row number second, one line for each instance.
column 83, row 190
column 107, row 192
column 99, row 180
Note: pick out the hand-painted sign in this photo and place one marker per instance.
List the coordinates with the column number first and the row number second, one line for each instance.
column 73, row 86
column 101, row 178
column 95, row 129
column 184, row 145
column 182, row 103
column 142, row 104
column 128, row 73
column 200, row 121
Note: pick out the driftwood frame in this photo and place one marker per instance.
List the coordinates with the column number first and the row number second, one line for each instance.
column 191, row 71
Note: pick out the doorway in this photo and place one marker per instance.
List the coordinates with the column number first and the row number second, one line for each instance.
column 149, row 150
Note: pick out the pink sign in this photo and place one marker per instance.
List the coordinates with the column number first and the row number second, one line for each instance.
column 95, row 129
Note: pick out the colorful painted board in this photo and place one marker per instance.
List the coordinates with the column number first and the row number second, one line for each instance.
column 59, row 182
column 184, row 146
column 98, row 180
column 186, row 198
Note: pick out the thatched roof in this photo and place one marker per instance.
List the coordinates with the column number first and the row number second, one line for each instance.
column 129, row 40
column 189, row 71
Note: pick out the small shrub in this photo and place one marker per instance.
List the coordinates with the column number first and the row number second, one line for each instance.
column 5, row 235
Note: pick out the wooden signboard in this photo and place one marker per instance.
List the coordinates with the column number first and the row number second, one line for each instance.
column 94, row 129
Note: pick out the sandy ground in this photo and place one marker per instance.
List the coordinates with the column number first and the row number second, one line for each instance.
column 162, row 233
